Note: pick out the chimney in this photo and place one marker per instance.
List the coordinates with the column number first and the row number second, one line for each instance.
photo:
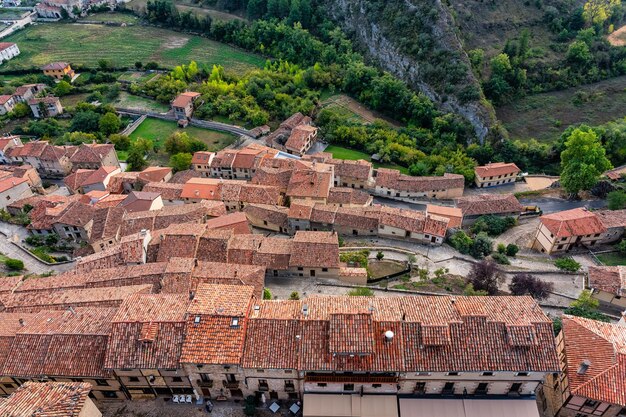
column 71, row 310
column 584, row 365
column 389, row 336
column 21, row 321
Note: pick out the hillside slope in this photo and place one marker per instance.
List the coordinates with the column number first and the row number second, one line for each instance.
column 417, row 41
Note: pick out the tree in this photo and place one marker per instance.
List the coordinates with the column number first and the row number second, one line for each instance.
column 511, row 249
column 267, row 294
column 481, row 247
column 20, row 110
column 485, row 276
column 525, row 283
column 598, row 11
column 63, row 88
column 380, row 256
column 582, row 161
column 85, row 121
column 616, row 200
column 121, row 142
column 461, row 242
column 109, row 124
column 621, row 246
column 136, row 160
column 178, row 142
column 180, row 161
column 578, row 53
column 361, row 292
column 567, row 264
column 294, row 295
column 138, row 65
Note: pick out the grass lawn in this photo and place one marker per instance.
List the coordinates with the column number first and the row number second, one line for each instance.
column 353, row 155
column 545, row 116
column 130, row 101
column 123, row 46
column 137, row 77
column 111, row 17
column 159, row 130
column 73, row 99
column 612, row 259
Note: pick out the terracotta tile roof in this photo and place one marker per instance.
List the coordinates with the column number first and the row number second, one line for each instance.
column 109, row 297
column 77, row 178
column 612, row 218
column 10, row 182
column 189, row 213
column 139, row 200
column 53, row 282
column 91, row 153
column 298, row 137
column 62, row 343
column 273, row 215
column 213, row 245
column 301, row 209
column 359, row 218
column 111, row 200
column 575, row 222
column 359, row 170
column 241, row 248
column 436, row 225
column 106, row 223
column 154, row 174
column 611, row 279
column 233, row 274
column 309, row 183
column 324, row 214
column 100, row 175
column 168, row 190
column 5, row 45
column 411, row 220
column 33, row 149
column 296, row 119
column 77, row 214
column 483, row 204
column 315, row 250
column 117, row 181
column 275, row 172
column 201, row 188
column 603, row 345
column 201, row 158
column 185, row 99
column 8, row 284
column 394, row 180
column 56, row 66
column 616, row 173
column 46, row 399
column 236, row 221
column 217, row 324
column 274, row 253
column 5, row 97
column 341, row 195
column 495, row 169
column 455, row 215
column 181, row 177
column 353, row 272
column 148, row 332
column 432, row 334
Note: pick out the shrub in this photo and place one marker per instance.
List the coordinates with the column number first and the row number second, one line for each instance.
column 461, row 242
column 469, row 290
column 501, row 248
column 34, row 240
column 511, row 249
column 380, row 256
column 621, row 246
column 14, row 264
column 485, row 276
column 616, row 200
column 493, row 225
column 4, row 215
column 359, row 258
column 567, row 264
column 500, row 258
column 361, row 292
column 294, row 295
column 267, row 294
column 524, row 283
column 481, row 247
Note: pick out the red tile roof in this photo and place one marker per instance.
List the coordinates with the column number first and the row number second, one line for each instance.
column 315, row 250
column 309, row 183
column 298, row 137
column 10, row 182
column 5, row 45
column 341, row 195
column 575, row 222
column 495, row 169
column 56, row 66
column 358, row 170
column 46, row 399
column 394, row 180
column 185, row 99
column 612, row 218
column 603, row 345
column 77, row 178
column 455, row 215
column 483, row 204
column 154, row 174
column 611, row 279
column 201, row 157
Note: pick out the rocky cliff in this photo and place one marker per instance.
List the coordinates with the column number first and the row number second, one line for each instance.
column 416, row 40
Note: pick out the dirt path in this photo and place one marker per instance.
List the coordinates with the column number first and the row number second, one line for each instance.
column 618, row 37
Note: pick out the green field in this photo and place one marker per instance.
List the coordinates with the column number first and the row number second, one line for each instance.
column 159, row 130
column 137, row 77
column 130, row 101
column 612, row 259
column 545, row 116
column 350, row 154
column 111, row 17
column 123, row 46
column 139, row 6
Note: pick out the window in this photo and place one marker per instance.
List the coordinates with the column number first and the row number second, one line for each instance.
column 420, row 388
column 560, row 247
column 8, row 385
column 205, row 378
column 109, row 394
column 288, row 371
column 102, row 382
column 321, row 384
column 324, row 269
column 453, row 374
column 591, row 403
column 177, row 379
column 448, row 388
column 260, row 370
column 481, row 388
column 300, row 268
column 521, row 374
column 133, row 379
column 487, row 374
column 376, row 385
column 234, row 322
column 423, row 374
column 348, row 387
column 515, row 388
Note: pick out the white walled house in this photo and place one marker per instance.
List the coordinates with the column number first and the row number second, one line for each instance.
column 8, row 50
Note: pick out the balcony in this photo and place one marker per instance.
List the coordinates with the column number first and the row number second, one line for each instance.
column 231, row 385
column 349, row 379
column 206, row 384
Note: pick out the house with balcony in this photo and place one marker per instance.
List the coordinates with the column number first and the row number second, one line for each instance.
column 496, row 173
column 566, row 230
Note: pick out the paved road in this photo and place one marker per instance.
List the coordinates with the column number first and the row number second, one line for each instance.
column 400, row 204
column 551, row 205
